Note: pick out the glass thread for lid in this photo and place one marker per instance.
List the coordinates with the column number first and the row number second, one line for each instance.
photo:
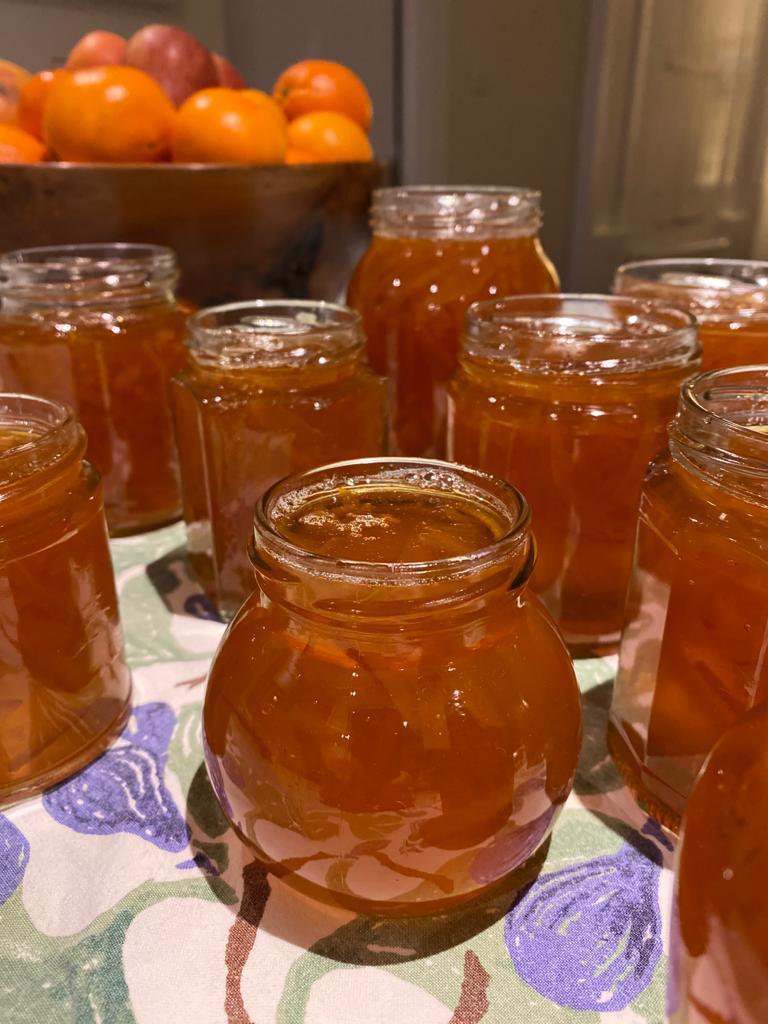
column 455, row 211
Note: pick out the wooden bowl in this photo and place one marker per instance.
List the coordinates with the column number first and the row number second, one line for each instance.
column 239, row 232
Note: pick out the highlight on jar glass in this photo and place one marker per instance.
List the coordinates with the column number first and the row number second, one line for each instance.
column 392, row 719
column 568, row 397
column 729, row 299
column 435, row 250
column 718, row 965
column 692, row 657
column 64, row 686
column 97, row 327
column 273, row 387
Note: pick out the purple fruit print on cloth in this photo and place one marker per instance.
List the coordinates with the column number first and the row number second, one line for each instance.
column 14, row 854
column 589, row 936
column 124, row 790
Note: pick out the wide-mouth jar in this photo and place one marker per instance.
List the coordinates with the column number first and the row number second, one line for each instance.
column 692, row 656
column 64, row 685
column 391, row 719
column 568, row 397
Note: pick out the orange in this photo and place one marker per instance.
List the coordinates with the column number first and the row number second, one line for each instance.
column 19, row 147
column 313, row 85
column 220, row 125
column 108, row 115
column 12, row 79
column 327, row 137
column 33, row 99
column 265, row 101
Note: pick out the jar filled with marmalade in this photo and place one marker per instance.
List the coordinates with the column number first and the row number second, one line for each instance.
column 64, row 686
column 435, row 250
column 569, row 397
column 719, row 947
column 692, row 658
column 729, row 299
column 97, row 328
column 392, row 719
column 273, row 387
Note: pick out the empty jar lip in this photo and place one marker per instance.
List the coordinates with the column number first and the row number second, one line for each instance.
column 291, row 493
column 57, row 434
column 274, row 334
column 710, row 287
column 86, row 272
column 447, row 211
column 579, row 334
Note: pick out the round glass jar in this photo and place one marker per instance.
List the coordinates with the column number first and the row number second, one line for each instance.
column 273, row 387
column 692, row 658
column 719, row 945
column 392, row 719
column 435, row 250
column 97, row 327
column 569, row 397
column 729, row 299
column 64, row 686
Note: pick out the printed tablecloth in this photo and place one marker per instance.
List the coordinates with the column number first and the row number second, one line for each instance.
column 124, row 897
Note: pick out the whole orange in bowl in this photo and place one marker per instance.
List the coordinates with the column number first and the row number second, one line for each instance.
column 327, row 137
column 266, row 102
column 108, row 115
column 19, row 147
column 221, row 125
column 313, row 85
column 33, row 99
column 12, row 79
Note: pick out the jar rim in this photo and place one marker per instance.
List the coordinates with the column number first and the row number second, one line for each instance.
column 579, row 334
column 59, row 429
column 274, row 334
column 86, row 272
column 448, row 211
column 297, row 488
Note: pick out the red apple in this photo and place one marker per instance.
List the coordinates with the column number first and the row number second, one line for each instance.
column 174, row 58
column 227, row 73
column 97, row 48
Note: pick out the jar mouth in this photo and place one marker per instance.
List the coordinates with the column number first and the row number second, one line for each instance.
column 449, row 211
column 48, row 432
column 579, row 335
column 273, row 334
column 81, row 274
column 425, row 476
column 712, row 289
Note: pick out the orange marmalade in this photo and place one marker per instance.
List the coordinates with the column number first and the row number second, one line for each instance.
column 719, row 948
column 568, row 397
column 436, row 250
column 692, row 657
column 64, row 687
column 273, row 387
column 729, row 299
column 97, row 328
column 392, row 719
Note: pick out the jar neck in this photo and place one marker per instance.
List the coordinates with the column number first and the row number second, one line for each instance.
column 41, row 452
column 461, row 213
column 720, row 432
column 292, row 344
column 86, row 276
column 371, row 594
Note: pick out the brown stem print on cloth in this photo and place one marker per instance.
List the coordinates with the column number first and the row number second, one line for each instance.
column 473, row 1001
column 241, row 938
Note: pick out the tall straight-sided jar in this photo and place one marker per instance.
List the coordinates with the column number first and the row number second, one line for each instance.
column 98, row 328
column 64, row 686
column 435, row 250
column 568, row 397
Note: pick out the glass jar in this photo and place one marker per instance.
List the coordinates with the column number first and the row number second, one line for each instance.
column 719, row 947
column 392, row 718
column 273, row 387
column 64, row 687
column 569, row 397
column 729, row 299
column 97, row 328
column 692, row 656
column 435, row 250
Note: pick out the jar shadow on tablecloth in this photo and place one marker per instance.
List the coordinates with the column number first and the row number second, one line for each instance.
column 176, row 585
